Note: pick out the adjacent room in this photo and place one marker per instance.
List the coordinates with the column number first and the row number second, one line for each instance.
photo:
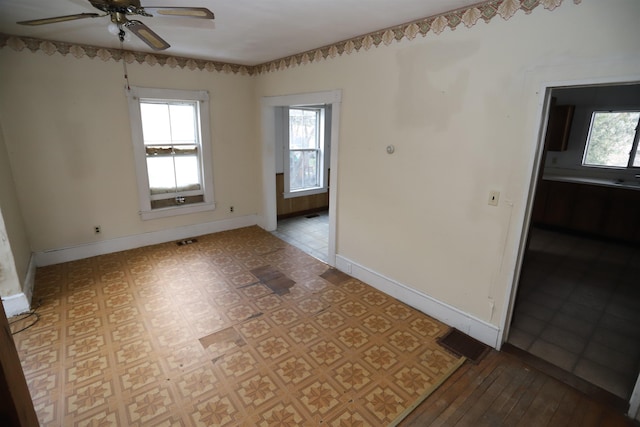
column 578, row 302
column 156, row 163
column 303, row 159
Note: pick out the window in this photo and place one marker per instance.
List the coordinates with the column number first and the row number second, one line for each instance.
column 170, row 133
column 304, row 157
column 613, row 140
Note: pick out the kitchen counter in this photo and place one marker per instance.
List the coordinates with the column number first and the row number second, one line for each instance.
column 605, row 182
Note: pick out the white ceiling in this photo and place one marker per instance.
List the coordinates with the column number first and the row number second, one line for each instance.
column 245, row 32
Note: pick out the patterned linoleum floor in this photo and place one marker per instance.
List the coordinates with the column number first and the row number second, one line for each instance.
column 239, row 328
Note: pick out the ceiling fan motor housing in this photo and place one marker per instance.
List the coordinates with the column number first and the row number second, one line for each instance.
column 126, row 7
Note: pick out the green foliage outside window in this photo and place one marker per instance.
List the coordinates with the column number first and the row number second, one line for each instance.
column 611, row 139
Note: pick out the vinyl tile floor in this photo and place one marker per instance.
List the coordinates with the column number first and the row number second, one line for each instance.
column 239, row 328
column 309, row 233
column 578, row 307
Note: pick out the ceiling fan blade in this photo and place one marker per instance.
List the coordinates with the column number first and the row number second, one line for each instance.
column 191, row 12
column 147, row 35
column 60, row 19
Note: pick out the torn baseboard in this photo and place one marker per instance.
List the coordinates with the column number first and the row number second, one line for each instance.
column 16, row 304
column 21, row 303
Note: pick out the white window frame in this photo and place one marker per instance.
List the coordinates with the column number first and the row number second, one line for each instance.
column 322, row 166
column 134, row 95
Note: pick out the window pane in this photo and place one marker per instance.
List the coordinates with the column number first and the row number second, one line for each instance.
column 169, row 173
column 155, row 123
column 161, row 176
column 611, row 138
column 303, row 129
column 310, row 169
column 187, row 175
column 303, row 170
column 183, row 123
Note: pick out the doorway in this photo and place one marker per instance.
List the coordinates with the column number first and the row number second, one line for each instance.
column 271, row 108
column 578, row 304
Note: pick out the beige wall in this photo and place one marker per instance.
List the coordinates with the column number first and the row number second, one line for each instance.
column 462, row 109
column 15, row 253
column 67, row 131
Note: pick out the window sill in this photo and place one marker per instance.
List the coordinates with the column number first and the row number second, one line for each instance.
column 302, row 193
column 176, row 210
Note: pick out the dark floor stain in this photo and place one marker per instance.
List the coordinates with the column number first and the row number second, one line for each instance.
column 463, row 345
column 228, row 335
column 334, row 276
column 274, row 279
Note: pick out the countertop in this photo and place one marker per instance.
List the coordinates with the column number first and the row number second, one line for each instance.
column 605, row 182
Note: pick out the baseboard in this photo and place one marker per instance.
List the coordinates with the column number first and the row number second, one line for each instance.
column 21, row 303
column 56, row 256
column 29, row 279
column 470, row 325
column 15, row 304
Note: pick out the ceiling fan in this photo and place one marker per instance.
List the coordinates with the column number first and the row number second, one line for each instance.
column 120, row 10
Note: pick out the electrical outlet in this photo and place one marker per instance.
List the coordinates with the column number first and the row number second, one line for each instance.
column 231, row 209
column 97, row 229
column 494, row 196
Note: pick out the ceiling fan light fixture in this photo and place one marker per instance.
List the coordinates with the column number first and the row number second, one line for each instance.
column 115, row 29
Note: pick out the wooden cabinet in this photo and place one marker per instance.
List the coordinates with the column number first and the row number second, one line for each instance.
column 558, row 208
column 591, row 203
column 623, row 216
column 298, row 205
column 590, row 209
column 540, row 202
column 558, row 126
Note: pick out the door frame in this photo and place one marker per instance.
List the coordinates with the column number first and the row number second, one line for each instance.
column 268, row 219
column 545, row 93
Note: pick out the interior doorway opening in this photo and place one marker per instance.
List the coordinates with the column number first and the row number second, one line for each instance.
column 303, row 158
column 577, row 305
column 313, row 164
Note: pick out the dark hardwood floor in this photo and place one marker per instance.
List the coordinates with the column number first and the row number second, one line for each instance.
column 502, row 390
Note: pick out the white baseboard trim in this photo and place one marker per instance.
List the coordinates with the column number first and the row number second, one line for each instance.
column 470, row 325
column 21, row 303
column 29, row 279
column 56, row 256
column 15, row 304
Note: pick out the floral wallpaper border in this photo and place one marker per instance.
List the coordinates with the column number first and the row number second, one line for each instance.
column 485, row 11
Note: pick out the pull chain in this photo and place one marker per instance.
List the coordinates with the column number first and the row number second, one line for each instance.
column 121, row 35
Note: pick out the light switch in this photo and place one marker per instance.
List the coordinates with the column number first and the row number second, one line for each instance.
column 494, row 196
